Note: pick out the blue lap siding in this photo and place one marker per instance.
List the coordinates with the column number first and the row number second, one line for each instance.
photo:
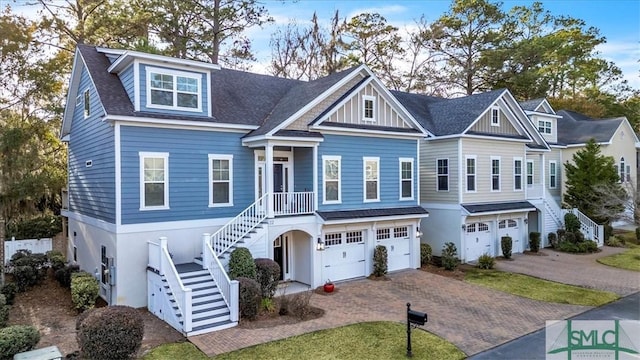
column 303, row 169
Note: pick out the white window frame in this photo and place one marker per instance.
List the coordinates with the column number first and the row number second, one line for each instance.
column 411, row 161
column 230, row 181
column 515, row 175
column 438, row 175
column 156, row 155
column 86, row 97
column 496, row 158
column 366, row 98
column 79, row 99
column 544, row 127
column 475, row 173
column 553, row 184
column 622, row 170
column 326, row 158
column 365, row 160
column 495, row 111
column 175, row 74
column 532, row 175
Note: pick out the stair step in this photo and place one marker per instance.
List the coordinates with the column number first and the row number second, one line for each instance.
column 203, row 329
column 209, row 305
column 208, row 318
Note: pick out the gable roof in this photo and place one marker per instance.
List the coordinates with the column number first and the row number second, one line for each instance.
column 576, row 128
column 531, row 105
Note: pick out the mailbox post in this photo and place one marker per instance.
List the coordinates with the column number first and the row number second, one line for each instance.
column 416, row 318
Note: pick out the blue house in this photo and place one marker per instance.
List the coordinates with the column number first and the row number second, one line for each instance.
column 174, row 163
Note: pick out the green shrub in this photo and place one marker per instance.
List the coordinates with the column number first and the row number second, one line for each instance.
column 64, row 275
column 25, row 277
column 561, row 235
column 588, row 246
column 583, row 247
column 241, row 264
column 112, row 332
column 571, row 222
column 534, row 241
column 84, row 290
column 449, row 256
column 300, row 305
column 16, row 339
column 28, row 269
column 380, row 261
column 9, row 291
column 45, row 226
column 56, row 259
column 486, row 261
column 615, row 241
column 425, row 254
column 608, row 231
column 506, row 244
column 268, row 305
column 579, row 236
column 4, row 311
column 553, row 239
column 570, row 238
column 249, row 297
column 268, row 276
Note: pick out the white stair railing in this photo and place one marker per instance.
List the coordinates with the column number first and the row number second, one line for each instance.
column 240, row 226
column 181, row 294
column 229, row 289
column 293, row 203
column 590, row 228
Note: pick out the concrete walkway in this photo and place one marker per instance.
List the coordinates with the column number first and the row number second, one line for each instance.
column 472, row 317
column 575, row 269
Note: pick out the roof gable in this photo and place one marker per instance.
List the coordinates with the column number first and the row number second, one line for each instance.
column 575, row 128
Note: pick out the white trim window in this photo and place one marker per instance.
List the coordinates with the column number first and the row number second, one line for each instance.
column 331, row 179
column 553, row 174
column 495, row 116
column 442, row 170
column 154, row 181
column 470, row 172
column 530, row 170
column 368, row 108
column 406, row 178
column 87, row 103
column 622, row 168
column 544, row 127
column 220, row 180
column 371, row 178
column 173, row 90
column 517, row 174
column 495, row 173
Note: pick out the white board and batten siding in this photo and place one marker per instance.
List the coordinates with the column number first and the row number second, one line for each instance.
column 36, row 246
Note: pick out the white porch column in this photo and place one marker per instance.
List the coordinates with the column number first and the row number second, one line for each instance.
column 543, row 175
column 268, row 177
column 315, row 177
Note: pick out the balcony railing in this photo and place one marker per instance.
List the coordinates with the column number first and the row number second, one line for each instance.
column 293, row 203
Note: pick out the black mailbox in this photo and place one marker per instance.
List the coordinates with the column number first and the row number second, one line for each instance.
column 417, row 317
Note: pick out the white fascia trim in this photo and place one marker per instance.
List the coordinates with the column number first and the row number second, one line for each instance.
column 67, row 117
column 529, row 112
column 525, row 210
column 558, row 146
column 486, row 137
column 585, row 144
column 373, row 219
column 527, row 123
column 261, row 140
column 118, row 174
column 129, row 55
column 441, row 206
column 367, row 132
column 483, row 113
column 110, row 51
column 179, row 124
column 136, row 85
column 345, row 100
column 545, row 102
column 100, row 224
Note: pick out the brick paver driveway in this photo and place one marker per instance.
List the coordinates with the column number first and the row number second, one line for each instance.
column 576, row 269
column 472, row 317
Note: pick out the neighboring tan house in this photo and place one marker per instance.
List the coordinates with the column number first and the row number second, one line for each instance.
column 174, row 163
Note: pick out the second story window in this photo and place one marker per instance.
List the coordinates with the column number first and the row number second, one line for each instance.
column 544, row 127
column 173, row 90
column 331, row 179
column 622, row 169
column 495, row 173
column 154, row 181
column 406, row 179
column 529, row 173
column 471, row 174
column 517, row 174
column 221, row 180
column 371, row 179
column 443, row 174
column 368, row 108
column 553, row 174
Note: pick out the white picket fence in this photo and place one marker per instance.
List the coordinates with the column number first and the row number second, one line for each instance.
column 34, row 245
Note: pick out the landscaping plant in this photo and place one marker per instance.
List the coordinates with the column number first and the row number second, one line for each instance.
column 299, row 305
column 249, row 297
column 241, row 264
column 56, row 259
column 534, row 241
column 425, row 254
column 571, row 222
column 84, row 290
column 28, row 269
column 9, row 290
column 553, row 239
column 4, row 311
column 506, row 244
column 486, row 261
column 380, row 261
column 112, row 332
column 449, row 256
column 268, row 276
column 16, row 339
column 64, row 275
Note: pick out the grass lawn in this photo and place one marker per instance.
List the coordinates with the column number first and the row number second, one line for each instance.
column 538, row 289
column 373, row 340
column 629, row 260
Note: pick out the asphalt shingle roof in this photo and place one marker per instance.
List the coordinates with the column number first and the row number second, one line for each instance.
column 355, row 214
column 493, row 207
column 576, row 128
column 531, row 105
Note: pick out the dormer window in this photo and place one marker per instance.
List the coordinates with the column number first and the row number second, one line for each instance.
column 544, row 127
column 368, row 108
column 174, row 90
column 495, row 117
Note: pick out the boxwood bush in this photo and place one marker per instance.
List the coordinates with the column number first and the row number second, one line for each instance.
column 241, row 264
column 506, row 244
column 534, row 241
column 449, row 256
column 112, row 332
column 28, row 269
column 249, row 297
column 380, row 261
column 425, row 254
column 84, row 290
column 16, row 339
column 268, row 276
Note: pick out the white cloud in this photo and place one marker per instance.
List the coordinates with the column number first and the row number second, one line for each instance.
column 626, row 55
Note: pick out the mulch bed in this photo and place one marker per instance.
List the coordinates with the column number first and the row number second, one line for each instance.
column 457, row 274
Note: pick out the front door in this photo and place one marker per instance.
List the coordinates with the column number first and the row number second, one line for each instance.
column 281, row 255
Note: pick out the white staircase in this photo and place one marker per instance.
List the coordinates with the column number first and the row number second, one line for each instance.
column 554, row 220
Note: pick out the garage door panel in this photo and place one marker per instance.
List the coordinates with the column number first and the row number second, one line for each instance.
column 398, row 247
column 511, row 228
column 343, row 260
column 478, row 240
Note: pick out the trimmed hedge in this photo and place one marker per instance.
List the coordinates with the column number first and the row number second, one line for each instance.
column 534, row 241
column 506, row 244
column 553, row 239
column 9, row 290
column 268, row 276
column 84, row 290
column 64, row 275
column 241, row 264
column 28, row 269
column 112, row 332
column 449, row 256
column 249, row 298
column 425, row 254
column 380, row 261
column 16, row 339
column 571, row 222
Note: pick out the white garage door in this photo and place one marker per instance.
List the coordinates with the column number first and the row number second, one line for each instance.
column 398, row 245
column 478, row 240
column 511, row 228
column 344, row 256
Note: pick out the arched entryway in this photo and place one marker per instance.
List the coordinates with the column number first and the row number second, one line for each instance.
column 293, row 251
